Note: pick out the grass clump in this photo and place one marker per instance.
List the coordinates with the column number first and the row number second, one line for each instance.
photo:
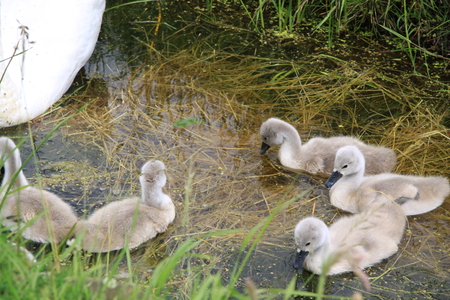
column 419, row 29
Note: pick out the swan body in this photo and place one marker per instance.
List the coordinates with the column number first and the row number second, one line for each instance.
column 43, row 45
column 131, row 221
column 351, row 243
column 44, row 216
column 353, row 192
column 317, row 155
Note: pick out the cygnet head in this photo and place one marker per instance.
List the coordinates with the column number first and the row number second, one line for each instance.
column 270, row 132
column 349, row 161
column 310, row 234
column 152, row 174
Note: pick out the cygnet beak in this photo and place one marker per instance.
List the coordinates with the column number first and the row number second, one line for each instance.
column 299, row 259
column 334, row 177
column 264, row 148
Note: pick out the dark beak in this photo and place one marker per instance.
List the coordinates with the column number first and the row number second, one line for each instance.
column 334, row 177
column 299, row 259
column 264, row 148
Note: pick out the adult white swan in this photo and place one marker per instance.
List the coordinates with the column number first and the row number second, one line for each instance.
column 43, row 45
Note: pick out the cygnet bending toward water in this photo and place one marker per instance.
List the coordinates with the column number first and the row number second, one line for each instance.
column 352, row 191
column 351, row 243
column 317, row 155
column 131, row 221
column 49, row 217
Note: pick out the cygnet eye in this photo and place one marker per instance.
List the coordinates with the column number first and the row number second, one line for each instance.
column 344, row 166
column 308, row 243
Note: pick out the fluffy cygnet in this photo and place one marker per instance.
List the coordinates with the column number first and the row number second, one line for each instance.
column 131, row 221
column 317, row 155
column 351, row 243
column 352, row 191
column 45, row 216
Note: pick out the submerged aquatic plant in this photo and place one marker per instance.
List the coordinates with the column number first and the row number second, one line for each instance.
column 187, row 122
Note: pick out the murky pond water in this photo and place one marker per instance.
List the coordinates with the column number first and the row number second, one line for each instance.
column 136, row 99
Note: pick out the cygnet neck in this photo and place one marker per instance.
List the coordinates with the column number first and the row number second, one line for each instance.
column 291, row 139
column 12, row 164
column 152, row 194
column 325, row 248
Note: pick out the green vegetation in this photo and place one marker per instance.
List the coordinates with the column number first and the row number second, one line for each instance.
column 419, row 28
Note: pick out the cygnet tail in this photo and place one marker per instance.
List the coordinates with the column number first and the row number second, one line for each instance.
column 432, row 193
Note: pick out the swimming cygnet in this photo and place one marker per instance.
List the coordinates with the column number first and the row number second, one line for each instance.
column 131, row 221
column 45, row 216
column 351, row 243
column 352, row 191
column 317, row 155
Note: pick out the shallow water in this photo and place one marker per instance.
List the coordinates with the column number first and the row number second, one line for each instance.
column 95, row 158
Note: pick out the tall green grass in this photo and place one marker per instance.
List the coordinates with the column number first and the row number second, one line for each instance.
column 419, row 28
